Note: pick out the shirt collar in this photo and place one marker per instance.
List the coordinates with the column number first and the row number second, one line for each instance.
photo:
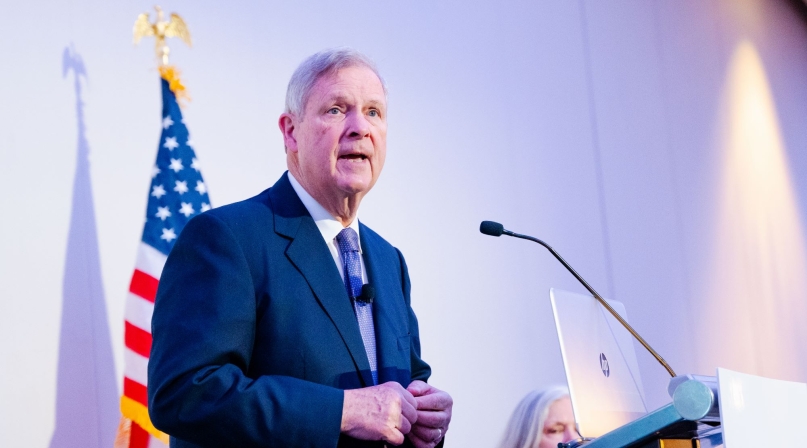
column 328, row 226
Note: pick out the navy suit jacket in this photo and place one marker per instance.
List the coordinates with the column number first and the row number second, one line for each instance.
column 254, row 336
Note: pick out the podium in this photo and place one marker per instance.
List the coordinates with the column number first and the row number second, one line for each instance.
column 732, row 410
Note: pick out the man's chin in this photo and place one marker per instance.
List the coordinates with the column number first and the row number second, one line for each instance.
column 353, row 187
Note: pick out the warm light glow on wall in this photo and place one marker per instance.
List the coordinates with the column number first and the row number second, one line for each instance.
column 755, row 309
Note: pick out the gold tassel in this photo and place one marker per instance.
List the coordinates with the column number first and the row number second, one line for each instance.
column 171, row 74
column 124, row 433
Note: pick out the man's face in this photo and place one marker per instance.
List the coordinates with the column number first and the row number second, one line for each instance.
column 340, row 142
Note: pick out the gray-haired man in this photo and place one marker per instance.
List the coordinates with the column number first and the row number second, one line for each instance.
column 264, row 334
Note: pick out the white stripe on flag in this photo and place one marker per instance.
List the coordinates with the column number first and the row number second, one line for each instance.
column 150, row 260
column 138, row 312
column 135, row 367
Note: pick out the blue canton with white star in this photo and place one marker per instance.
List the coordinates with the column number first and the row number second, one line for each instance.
column 178, row 192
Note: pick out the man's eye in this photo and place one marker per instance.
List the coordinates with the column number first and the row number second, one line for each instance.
column 333, row 110
column 373, row 113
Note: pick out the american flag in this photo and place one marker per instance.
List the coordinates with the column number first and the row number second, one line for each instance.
column 177, row 193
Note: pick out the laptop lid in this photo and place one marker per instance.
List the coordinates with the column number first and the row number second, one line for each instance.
column 600, row 362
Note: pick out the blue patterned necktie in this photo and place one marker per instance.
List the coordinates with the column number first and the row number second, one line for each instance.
column 348, row 242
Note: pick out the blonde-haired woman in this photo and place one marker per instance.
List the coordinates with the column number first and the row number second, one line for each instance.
column 541, row 420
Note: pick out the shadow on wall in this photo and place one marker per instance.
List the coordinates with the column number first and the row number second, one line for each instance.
column 87, row 411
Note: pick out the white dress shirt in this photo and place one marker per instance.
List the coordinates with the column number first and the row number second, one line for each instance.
column 329, row 227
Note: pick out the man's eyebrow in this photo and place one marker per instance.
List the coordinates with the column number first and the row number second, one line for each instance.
column 376, row 103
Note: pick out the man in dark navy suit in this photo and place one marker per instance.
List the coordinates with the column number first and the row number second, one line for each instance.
column 265, row 333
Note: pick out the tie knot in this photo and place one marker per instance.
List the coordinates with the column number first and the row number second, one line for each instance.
column 348, row 240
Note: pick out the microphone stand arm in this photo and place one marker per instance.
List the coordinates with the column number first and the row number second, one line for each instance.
column 599, row 299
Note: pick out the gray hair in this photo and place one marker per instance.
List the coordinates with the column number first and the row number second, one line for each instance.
column 527, row 422
column 315, row 67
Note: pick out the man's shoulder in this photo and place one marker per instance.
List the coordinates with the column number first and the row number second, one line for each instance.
column 279, row 198
column 277, row 207
column 256, row 205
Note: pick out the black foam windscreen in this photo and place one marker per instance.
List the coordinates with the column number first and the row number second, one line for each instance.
column 491, row 228
column 367, row 294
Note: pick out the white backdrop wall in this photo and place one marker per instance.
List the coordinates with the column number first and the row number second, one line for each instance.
column 659, row 146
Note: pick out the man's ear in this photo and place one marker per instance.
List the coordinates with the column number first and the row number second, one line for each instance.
column 287, row 124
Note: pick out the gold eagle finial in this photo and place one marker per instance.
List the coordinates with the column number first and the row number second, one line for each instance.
column 161, row 29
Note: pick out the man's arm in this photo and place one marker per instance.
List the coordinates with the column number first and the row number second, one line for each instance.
column 420, row 370
column 433, row 405
column 203, row 333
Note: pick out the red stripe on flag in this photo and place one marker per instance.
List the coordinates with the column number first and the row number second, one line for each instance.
column 144, row 285
column 135, row 391
column 139, row 437
column 137, row 339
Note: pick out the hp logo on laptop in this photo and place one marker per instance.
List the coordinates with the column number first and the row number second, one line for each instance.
column 606, row 370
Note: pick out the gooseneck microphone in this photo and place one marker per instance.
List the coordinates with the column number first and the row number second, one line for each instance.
column 495, row 229
column 367, row 294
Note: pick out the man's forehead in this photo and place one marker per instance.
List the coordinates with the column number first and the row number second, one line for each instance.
column 341, row 96
column 347, row 82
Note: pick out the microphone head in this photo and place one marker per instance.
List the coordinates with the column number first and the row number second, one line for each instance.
column 491, row 228
column 367, row 294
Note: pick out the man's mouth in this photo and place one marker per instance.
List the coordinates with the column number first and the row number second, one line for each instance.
column 354, row 157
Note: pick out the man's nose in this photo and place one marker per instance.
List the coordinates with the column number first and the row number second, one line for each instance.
column 358, row 125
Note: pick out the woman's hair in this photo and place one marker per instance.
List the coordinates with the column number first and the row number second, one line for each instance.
column 527, row 422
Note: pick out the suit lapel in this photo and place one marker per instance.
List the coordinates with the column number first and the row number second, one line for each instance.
column 309, row 253
column 384, row 274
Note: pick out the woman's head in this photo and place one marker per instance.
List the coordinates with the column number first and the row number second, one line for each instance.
column 541, row 420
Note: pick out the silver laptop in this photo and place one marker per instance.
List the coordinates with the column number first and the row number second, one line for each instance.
column 600, row 363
